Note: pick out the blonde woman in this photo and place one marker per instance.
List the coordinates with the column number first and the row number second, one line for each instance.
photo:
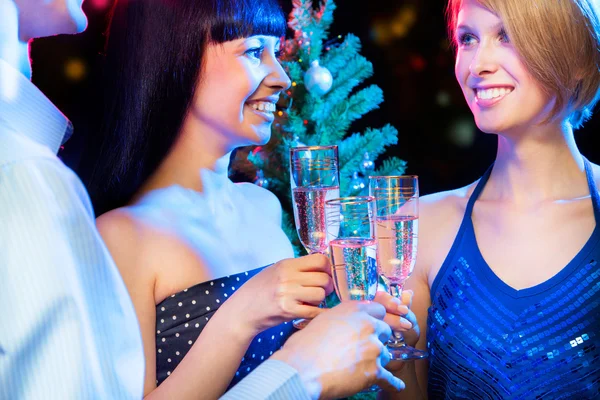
column 508, row 280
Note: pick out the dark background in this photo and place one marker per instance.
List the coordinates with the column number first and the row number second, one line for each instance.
column 413, row 63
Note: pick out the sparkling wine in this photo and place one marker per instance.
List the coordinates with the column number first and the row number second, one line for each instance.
column 354, row 268
column 309, row 212
column 396, row 247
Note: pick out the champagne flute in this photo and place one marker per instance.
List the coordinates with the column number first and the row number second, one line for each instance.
column 353, row 249
column 314, row 180
column 396, row 230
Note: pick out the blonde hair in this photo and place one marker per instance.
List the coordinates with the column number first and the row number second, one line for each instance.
column 559, row 44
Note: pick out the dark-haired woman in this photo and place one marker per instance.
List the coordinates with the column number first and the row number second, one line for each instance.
column 189, row 81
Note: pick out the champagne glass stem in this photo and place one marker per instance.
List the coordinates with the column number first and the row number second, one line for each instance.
column 398, row 349
column 397, row 340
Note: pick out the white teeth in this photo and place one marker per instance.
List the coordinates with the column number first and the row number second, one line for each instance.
column 487, row 94
column 263, row 106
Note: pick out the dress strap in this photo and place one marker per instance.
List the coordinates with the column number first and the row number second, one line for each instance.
column 593, row 189
column 477, row 191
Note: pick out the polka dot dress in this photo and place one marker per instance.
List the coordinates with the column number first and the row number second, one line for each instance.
column 181, row 317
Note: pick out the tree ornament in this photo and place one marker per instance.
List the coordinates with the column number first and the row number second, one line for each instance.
column 261, row 180
column 296, row 142
column 358, row 183
column 367, row 164
column 318, row 80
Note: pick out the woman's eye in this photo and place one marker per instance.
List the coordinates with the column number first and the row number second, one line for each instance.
column 255, row 52
column 466, row 39
column 503, row 36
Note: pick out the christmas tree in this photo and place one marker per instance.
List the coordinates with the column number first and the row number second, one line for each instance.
column 319, row 108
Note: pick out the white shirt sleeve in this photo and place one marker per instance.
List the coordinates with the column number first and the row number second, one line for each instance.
column 272, row 380
column 68, row 329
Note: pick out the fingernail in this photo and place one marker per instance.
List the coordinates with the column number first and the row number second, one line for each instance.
column 402, row 309
column 410, row 291
column 402, row 385
column 405, row 323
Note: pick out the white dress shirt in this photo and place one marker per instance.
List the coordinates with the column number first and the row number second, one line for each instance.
column 68, row 329
column 271, row 380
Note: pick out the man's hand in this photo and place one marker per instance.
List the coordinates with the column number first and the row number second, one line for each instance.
column 342, row 351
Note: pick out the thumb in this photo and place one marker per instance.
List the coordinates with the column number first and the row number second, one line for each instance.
column 390, row 383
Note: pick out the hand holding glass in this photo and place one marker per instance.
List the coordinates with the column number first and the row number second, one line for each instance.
column 353, row 249
column 314, row 180
column 396, row 230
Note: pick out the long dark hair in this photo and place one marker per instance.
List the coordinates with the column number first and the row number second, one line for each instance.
column 153, row 62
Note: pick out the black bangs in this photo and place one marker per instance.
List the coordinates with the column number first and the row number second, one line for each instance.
column 236, row 19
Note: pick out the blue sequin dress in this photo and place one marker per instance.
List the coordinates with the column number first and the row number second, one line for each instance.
column 489, row 341
column 181, row 317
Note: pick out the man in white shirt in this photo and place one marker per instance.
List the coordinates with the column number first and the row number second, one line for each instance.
column 68, row 329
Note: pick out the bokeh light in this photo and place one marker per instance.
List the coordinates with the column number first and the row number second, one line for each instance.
column 75, row 69
column 462, row 132
column 398, row 26
column 443, row 99
column 99, row 5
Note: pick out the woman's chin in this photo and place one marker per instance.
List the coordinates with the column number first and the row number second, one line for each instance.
column 253, row 140
column 262, row 136
column 487, row 130
column 487, row 126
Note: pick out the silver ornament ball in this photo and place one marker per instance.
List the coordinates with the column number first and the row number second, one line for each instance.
column 318, row 80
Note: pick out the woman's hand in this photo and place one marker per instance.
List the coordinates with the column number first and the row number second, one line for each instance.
column 401, row 319
column 289, row 289
column 399, row 316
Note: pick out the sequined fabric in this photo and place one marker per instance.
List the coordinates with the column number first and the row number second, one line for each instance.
column 181, row 317
column 490, row 341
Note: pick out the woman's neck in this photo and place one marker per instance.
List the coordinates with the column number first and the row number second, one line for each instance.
column 542, row 164
column 190, row 154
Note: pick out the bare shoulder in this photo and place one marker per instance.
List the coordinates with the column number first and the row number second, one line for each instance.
column 447, row 201
column 123, row 234
column 132, row 226
column 134, row 243
column 117, row 226
column 440, row 217
column 444, row 207
column 151, row 251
